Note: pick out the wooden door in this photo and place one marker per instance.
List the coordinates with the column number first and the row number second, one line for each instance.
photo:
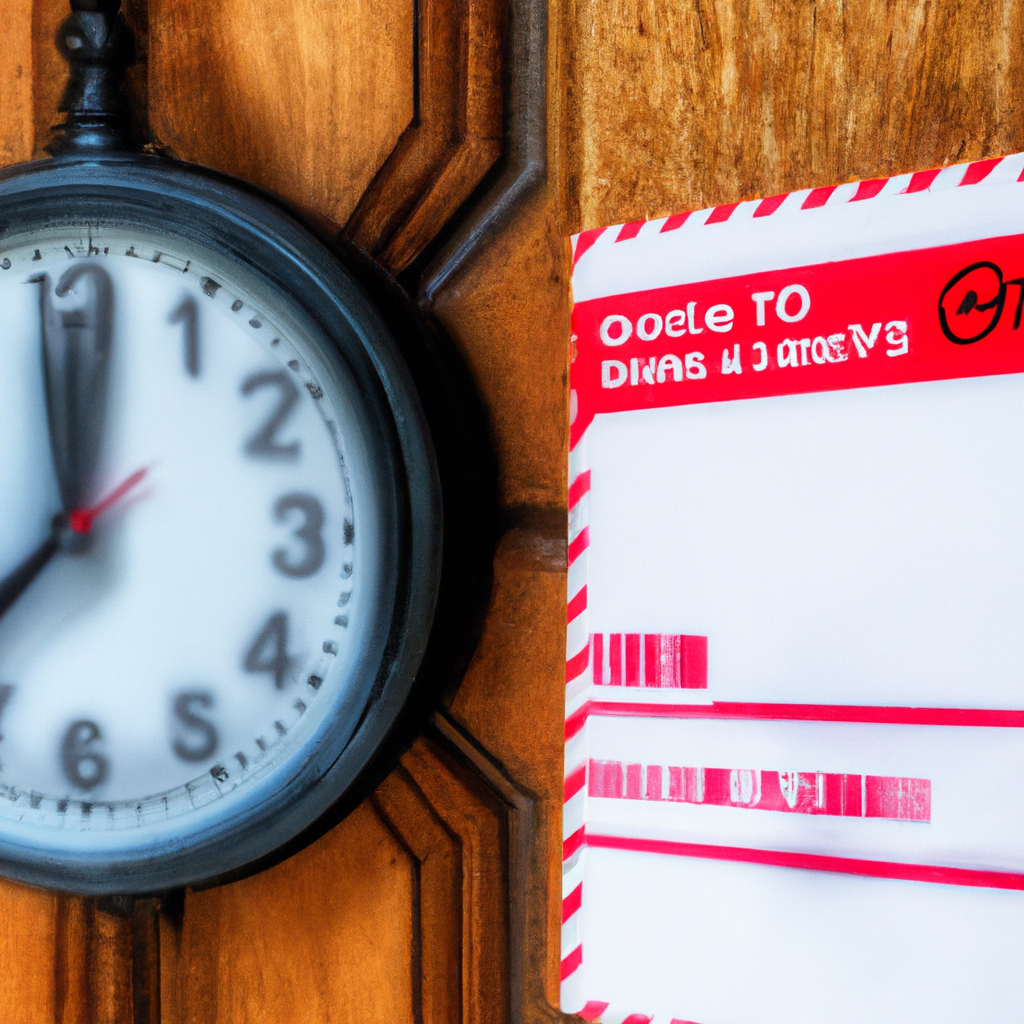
column 460, row 141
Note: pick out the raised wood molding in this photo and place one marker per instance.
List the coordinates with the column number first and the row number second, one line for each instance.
column 454, row 138
column 454, row 828
column 528, row 870
column 92, row 966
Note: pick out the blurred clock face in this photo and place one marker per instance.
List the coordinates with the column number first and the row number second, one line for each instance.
column 188, row 551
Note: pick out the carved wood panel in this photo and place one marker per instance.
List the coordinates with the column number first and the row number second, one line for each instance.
column 438, row 898
column 432, row 902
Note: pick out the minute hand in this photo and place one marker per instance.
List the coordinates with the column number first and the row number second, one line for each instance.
column 76, row 358
column 76, row 365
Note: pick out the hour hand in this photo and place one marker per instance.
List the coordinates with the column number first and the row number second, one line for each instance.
column 76, row 362
column 15, row 583
column 68, row 533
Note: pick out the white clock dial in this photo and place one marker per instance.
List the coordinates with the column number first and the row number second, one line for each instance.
column 212, row 626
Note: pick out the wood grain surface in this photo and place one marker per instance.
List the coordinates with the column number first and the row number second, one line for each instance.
column 305, row 98
column 687, row 105
column 17, row 123
column 438, row 899
column 325, row 936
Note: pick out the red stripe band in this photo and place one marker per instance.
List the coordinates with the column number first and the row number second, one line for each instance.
column 922, row 180
column 573, row 843
column 869, row 189
column 816, row 862
column 579, row 544
column 578, row 488
column 987, row 718
column 577, row 665
column 720, row 214
column 979, row 170
column 629, row 231
column 592, row 1010
column 574, row 782
column 818, row 197
column 585, row 240
column 572, row 962
column 768, row 206
column 572, row 903
column 677, row 220
column 577, row 605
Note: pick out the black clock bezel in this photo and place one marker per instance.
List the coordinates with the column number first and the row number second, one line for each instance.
column 234, row 220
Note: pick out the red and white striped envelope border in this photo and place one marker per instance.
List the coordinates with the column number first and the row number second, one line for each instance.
column 794, row 736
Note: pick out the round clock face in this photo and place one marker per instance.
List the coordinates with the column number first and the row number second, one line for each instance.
column 197, row 546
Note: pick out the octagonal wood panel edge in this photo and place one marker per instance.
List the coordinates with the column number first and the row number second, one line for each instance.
column 525, row 853
column 525, row 159
column 106, row 961
column 454, row 829
column 454, row 138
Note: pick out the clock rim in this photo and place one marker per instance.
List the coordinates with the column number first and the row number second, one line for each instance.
column 238, row 221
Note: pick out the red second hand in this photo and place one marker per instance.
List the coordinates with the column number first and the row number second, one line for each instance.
column 81, row 519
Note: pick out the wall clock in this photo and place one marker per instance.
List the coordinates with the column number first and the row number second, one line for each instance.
column 220, row 511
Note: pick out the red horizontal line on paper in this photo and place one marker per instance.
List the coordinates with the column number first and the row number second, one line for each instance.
column 990, row 718
column 934, row 873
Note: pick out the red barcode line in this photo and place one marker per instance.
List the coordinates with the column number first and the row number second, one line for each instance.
column 653, row 660
column 828, row 793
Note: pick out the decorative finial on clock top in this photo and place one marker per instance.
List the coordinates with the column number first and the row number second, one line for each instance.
column 98, row 46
